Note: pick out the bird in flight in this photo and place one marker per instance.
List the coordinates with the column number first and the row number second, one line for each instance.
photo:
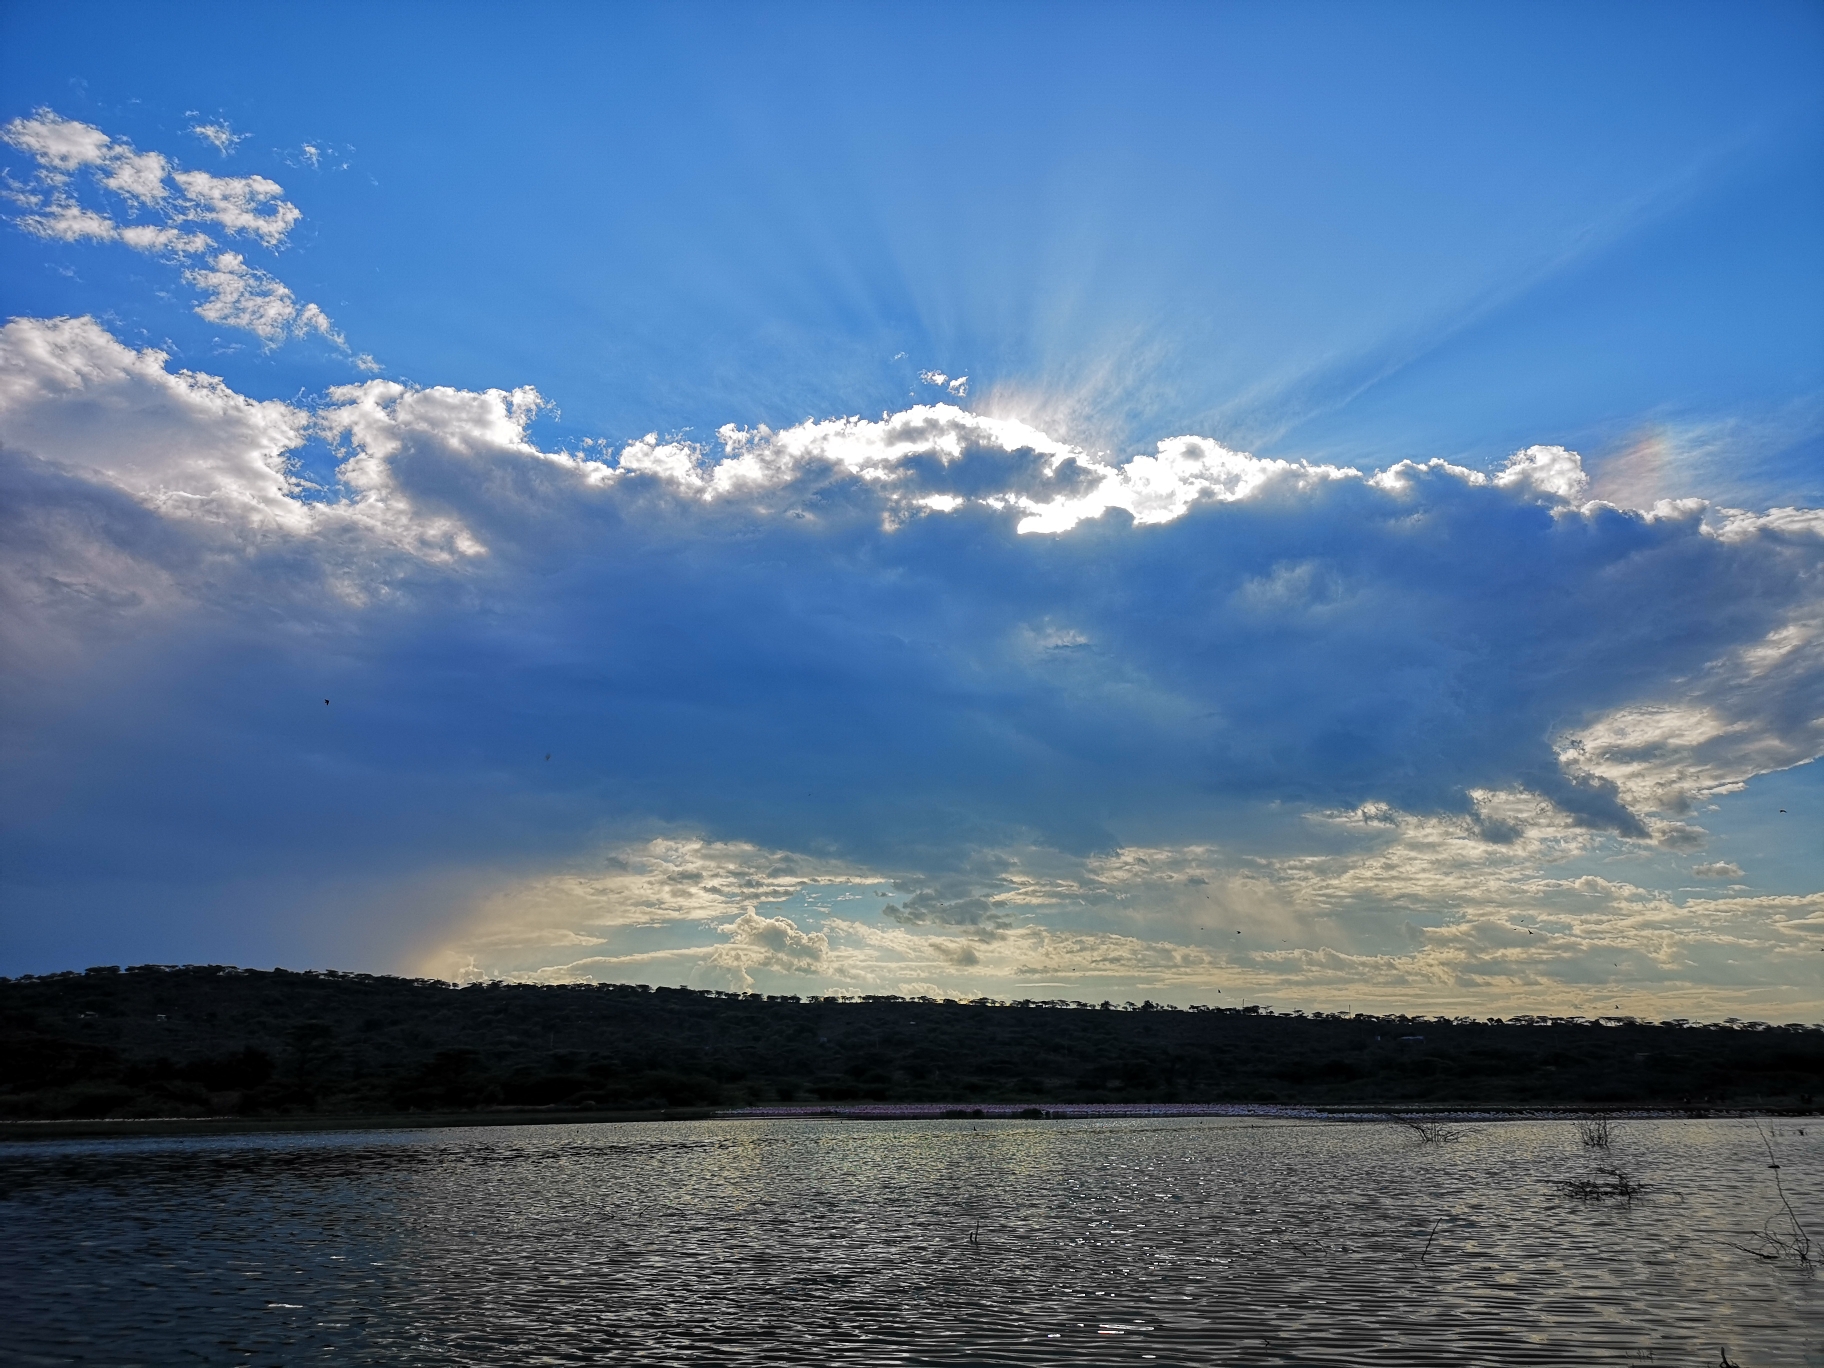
column 547, row 755
column 326, row 702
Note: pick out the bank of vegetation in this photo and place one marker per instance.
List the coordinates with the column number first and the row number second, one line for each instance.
column 206, row 1040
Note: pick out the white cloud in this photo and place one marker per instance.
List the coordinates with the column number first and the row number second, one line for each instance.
column 145, row 237
column 70, row 394
column 237, row 295
column 241, row 204
column 138, row 176
column 313, row 319
column 1546, row 470
column 66, row 221
column 219, row 136
column 59, row 144
column 945, row 453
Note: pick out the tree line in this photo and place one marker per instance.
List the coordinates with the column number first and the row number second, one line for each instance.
column 211, row 1040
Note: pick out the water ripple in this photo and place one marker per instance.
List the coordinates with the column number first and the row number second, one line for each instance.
column 1174, row 1241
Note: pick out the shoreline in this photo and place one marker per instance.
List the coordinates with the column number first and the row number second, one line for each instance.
column 139, row 1126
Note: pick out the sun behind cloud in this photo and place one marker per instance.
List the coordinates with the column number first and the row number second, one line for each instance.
column 1016, row 693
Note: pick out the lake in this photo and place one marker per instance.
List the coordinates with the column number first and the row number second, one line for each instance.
column 1176, row 1241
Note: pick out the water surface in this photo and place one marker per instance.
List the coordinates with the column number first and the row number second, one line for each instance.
column 1183, row 1241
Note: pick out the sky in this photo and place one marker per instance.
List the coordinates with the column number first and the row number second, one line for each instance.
column 1302, row 504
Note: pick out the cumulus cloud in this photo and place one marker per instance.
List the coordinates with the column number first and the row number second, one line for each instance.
column 1056, row 704
column 769, row 943
column 939, row 457
column 182, row 443
column 236, row 294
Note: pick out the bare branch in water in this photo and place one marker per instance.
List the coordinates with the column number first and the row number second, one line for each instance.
column 1782, row 1236
column 1596, row 1134
column 1619, row 1184
column 1429, row 1132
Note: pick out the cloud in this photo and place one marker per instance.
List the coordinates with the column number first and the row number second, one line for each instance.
column 927, row 907
column 1063, row 706
column 1425, row 917
column 183, row 444
column 1756, row 708
column 766, row 943
column 219, row 136
column 59, row 144
column 660, row 881
column 248, row 205
column 67, row 221
column 236, row 294
column 64, row 220
column 1718, row 869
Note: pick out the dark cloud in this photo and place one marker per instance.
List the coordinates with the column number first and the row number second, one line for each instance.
column 789, row 643
column 927, row 908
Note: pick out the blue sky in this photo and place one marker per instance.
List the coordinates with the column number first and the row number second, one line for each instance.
column 989, row 499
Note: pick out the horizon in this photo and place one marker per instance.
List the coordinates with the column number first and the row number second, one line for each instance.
column 1344, row 525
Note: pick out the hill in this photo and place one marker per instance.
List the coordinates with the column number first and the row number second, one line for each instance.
column 207, row 1040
